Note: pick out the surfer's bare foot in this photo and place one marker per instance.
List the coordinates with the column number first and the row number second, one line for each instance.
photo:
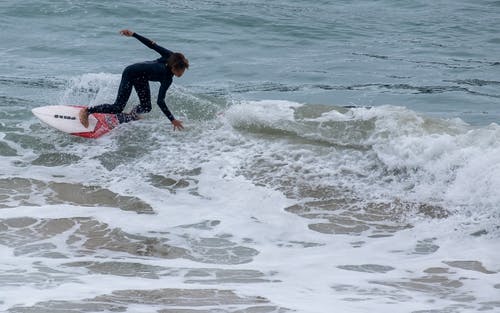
column 84, row 117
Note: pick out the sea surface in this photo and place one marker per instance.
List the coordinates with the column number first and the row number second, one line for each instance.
column 338, row 156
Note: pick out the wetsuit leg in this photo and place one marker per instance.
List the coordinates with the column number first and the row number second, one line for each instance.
column 123, row 94
column 126, row 117
column 141, row 86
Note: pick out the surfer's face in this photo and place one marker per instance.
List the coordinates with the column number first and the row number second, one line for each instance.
column 178, row 72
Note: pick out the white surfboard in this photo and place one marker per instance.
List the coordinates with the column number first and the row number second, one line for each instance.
column 66, row 118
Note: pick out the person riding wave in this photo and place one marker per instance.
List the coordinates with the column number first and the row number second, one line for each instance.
column 138, row 76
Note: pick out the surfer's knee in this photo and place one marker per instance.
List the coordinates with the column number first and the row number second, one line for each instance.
column 141, row 109
column 128, row 71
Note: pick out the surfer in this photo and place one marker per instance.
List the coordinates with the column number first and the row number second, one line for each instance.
column 138, row 76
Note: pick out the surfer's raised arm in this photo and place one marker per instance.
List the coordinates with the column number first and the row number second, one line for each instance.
column 147, row 42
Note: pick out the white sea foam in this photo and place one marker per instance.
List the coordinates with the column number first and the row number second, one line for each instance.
column 443, row 161
column 222, row 185
column 310, row 208
column 91, row 89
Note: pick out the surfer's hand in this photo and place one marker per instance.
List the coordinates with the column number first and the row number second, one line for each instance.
column 177, row 125
column 126, row 32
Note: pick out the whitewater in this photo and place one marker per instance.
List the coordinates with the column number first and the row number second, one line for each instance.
column 363, row 177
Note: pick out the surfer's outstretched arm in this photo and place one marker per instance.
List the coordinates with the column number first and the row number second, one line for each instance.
column 163, row 106
column 147, row 42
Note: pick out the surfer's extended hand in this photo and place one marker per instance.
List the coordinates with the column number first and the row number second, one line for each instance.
column 126, row 32
column 177, row 125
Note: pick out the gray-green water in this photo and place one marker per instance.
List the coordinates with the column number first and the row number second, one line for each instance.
column 337, row 156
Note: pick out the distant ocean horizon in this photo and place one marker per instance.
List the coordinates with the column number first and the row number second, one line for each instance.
column 337, row 156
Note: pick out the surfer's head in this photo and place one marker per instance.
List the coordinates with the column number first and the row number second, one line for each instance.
column 177, row 63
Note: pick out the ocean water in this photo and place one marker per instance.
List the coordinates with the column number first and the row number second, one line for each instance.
column 338, row 156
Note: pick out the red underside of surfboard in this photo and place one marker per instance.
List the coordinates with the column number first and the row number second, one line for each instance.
column 105, row 123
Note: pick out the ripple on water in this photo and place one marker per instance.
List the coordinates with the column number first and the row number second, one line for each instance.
column 23, row 191
column 85, row 236
column 164, row 300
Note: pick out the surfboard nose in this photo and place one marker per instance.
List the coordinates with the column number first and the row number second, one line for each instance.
column 37, row 111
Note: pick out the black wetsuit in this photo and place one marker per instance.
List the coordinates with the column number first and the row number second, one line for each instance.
column 138, row 76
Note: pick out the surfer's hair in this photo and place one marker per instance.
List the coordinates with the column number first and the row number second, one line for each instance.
column 177, row 61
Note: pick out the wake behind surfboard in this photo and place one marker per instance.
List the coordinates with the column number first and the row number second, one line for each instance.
column 65, row 118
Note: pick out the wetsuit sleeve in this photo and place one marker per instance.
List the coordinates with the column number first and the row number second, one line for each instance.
column 161, row 101
column 150, row 44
